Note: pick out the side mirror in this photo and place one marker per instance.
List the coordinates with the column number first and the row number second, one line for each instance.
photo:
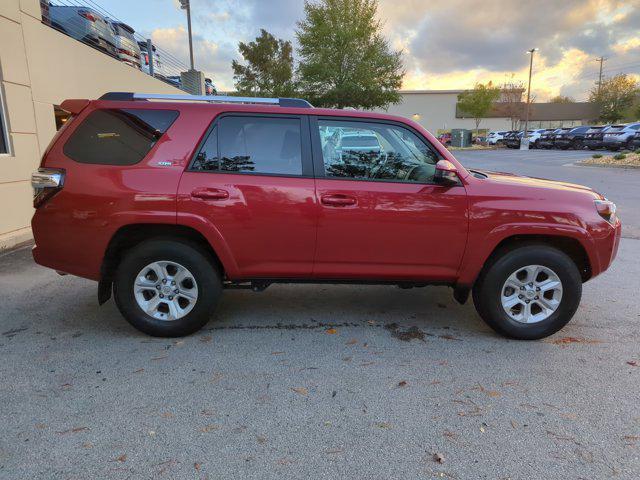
column 446, row 173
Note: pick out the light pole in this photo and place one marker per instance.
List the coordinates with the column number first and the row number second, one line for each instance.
column 524, row 141
column 185, row 5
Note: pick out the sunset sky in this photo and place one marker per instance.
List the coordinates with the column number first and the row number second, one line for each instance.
column 446, row 44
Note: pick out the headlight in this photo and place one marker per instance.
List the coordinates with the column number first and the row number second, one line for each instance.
column 607, row 210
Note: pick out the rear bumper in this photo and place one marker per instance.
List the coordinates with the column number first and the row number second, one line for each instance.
column 590, row 142
column 563, row 143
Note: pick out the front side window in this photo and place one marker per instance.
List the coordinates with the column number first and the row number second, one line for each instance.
column 118, row 136
column 372, row 151
column 269, row 145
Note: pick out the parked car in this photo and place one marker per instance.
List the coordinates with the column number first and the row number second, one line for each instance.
column 558, row 134
column 174, row 80
column 535, row 135
column 84, row 24
column 209, row 87
column 594, row 137
column 636, row 139
column 620, row 136
column 495, row 138
column 546, row 138
column 511, row 139
column 214, row 196
column 445, row 139
column 127, row 47
column 573, row 138
column 158, row 66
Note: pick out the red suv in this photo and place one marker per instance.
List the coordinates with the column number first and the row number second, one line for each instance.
column 167, row 203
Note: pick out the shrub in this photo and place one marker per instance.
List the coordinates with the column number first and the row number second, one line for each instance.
column 626, row 152
column 637, row 152
column 596, row 155
column 620, row 156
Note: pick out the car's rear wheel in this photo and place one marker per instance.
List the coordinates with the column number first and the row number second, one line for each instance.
column 528, row 293
column 167, row 288
column 577, row 144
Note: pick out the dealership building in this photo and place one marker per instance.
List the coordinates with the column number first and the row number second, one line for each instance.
column 437, row 111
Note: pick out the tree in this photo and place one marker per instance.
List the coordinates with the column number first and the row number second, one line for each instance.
column 268, row 70
column 562, row 99
column 344, row 59
column 478, row 102
column 511, row 99
column 615, row 96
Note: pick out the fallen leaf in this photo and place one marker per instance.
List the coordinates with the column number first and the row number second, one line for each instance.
column 205, row 338
column 122, row 458
column 197, row 466
column 87, row 445
column 449, row 337
column 160, row 358
column 353, row 341
column 301, row 390
column 492, row 393
column 331, row 331
column 261, row 440
column 207, row 413
column 140, row 370
column 366, row 364
column 277, row 353
column 383, row 425
column 167, row 415
column 40, row 426
column 209, row 428
column 73, row 430
column 347, row 359
column 514, row 425
column 438, row 457
column 335, row 450
column 66, row 386
column 402, row 384
column 633, row 363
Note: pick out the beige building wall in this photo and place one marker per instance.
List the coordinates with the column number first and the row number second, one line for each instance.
column 436, row 110
column 39, row 68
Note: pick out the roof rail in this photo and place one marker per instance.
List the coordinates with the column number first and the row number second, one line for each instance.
column 282, row 102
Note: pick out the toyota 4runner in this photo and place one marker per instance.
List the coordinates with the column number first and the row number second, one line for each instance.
column 167, row 203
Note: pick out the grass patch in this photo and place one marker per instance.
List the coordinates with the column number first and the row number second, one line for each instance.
column 596, row 155
column 620, row 156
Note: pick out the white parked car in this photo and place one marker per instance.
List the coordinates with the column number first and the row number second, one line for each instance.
column 495, row 138
column 534, row 136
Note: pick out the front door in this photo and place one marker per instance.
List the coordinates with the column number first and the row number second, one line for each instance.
column 250, row 187
column 382, row 217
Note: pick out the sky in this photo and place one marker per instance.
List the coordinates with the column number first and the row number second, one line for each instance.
column 445, row 44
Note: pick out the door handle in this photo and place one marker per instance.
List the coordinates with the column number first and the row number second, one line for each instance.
column 338, row 200
column 210, row 194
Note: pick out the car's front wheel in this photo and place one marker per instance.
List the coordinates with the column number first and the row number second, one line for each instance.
column 167, row 288
column 528, row 293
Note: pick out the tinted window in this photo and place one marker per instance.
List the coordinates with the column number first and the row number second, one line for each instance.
column 118, row 137
column 374, row 151
column 207, row 157
column 3, row 141
column 254, row 144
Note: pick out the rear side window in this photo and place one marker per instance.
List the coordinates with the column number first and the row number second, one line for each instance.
column 269, row 145
column 118, row 136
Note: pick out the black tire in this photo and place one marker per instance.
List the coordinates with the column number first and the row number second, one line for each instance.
column 577, row 144
column 196, row 260
column 487, row 290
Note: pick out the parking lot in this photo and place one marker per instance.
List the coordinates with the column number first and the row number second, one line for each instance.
column 307, row 381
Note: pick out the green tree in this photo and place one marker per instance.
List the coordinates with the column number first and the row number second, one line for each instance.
column 268, row 70
column 344, row 59
column 562, row 99
column 477, row 102
column 615, row 96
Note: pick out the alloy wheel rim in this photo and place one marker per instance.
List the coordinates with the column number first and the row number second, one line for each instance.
column 165, row 290
column 531, row 294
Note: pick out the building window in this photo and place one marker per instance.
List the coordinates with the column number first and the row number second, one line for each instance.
column 4, row 131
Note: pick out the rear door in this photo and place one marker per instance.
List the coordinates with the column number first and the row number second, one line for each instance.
column 382, row 217
column 250, row 185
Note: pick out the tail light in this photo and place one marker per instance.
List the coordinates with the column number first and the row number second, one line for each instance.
column 126, row 52
column 46, row 182
column 88, row 15
column 146, row 59
column 607, row 210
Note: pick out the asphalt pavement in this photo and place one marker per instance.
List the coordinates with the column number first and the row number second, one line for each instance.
column 306, row 381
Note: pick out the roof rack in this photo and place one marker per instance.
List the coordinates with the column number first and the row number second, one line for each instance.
column 282, row 102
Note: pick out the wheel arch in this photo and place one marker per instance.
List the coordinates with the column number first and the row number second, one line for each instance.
column 569, row 245
column 128, row 236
